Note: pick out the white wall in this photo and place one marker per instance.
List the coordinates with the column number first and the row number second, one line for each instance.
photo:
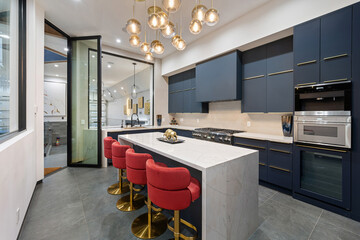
column 21, row 158
column 271, row 18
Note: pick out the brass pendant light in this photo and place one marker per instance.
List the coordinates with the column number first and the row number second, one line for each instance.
column 133, row 26
column 212, row 16
column 171, row 6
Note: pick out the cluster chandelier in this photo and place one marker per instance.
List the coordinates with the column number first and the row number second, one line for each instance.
column 158, row 19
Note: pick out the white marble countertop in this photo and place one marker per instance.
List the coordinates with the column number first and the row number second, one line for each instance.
column 195, row 153
column 266, row 137
column 118, row 129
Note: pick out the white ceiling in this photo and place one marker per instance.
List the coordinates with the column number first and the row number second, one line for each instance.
column 107, row 18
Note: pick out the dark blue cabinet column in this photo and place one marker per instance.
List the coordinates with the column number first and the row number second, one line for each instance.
column 335, row 50
column 254, row 80
column 355, row 154
column 219, row 79
column 307, row 53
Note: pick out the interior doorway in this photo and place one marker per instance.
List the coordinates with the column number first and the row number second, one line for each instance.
column 55, row 98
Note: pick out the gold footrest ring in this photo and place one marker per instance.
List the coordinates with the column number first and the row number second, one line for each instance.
column 140, row 227
column 123, row 204
column 115, row 190
column 182, row 236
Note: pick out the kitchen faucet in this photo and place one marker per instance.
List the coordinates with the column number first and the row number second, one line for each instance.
column 138, row 121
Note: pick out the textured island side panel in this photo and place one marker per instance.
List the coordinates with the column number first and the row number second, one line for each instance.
column 233, row 187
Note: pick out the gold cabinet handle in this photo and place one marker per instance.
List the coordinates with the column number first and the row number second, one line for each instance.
column 305, row 84
column 305, row 63
column 277, row 73
column 248, row 145
column 258, row 76
column 320, row 148
column 281, row 169
column 281, row 151
column 337, row 56
column 336, row 80
column 262, row 164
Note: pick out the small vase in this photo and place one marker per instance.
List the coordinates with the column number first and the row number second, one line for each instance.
column 159, row 119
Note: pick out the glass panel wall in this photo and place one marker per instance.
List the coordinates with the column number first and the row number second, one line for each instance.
column 84, row 105
column 127, row 92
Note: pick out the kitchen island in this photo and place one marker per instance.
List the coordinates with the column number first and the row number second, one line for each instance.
column 229, row 180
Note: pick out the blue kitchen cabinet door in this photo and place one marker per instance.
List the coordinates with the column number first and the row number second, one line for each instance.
column 254, row 63
column 307, row 53
column 279, row 56
column 176, row 102
column 176, row 83
column 197, row 107
column 187, row 101
column 188, row 78
column 254, row 95
column 280, row 93
column 219, row 79
column 335, row 48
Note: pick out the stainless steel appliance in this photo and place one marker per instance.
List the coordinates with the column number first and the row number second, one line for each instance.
column 329, row 128
column 215, row 135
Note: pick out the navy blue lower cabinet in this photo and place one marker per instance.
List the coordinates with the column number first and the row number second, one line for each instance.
column 183, row 133
column 322, row 173
column 280, row 164
column 261, row 146
column 280, row 92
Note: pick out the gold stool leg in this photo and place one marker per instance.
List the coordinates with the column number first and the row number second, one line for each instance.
column 177, row 224
column 149, row 225
column 119, row 187
column 130, row 203
column 176, row 229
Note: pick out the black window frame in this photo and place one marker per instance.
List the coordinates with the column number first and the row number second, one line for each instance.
column 21, row 74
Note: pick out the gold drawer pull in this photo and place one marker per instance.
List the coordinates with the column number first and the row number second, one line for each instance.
column 305, row 63
column 277, row 73
column 320, row 148
column 305, row 84
column 336, row 80
column 281, row 169
column 337, row 56
column 262, row 164
column 248, row 145
column 259, row 76
column 281, row 151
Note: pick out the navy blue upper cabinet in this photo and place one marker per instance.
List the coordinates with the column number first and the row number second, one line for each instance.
column 307, row 52
column 335, row 50
column 182, row 94
column 219, row 79
column 254, row 63
column 279, row 56
column 280, row 92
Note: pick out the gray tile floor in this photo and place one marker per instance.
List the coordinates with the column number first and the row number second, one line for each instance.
column 73, row 204
column 57, row 157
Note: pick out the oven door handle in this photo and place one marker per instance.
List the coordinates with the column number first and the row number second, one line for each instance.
column 322, row 148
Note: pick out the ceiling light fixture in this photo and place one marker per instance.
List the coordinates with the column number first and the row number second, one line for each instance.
column 133, row 89
column 66, row 49
column 171, row 6
column 154, row 18
column 149, row 56
column 56, row 65
column 118, row 40
column 134, row 41
column 57, row 75
column 199, row 12
column 164, row 19
column 133, row 26
column 195, row 26
column 168, row 31
column 212, row 16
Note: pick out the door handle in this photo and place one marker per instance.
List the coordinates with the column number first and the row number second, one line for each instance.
column 337, row 56
column 336, row 80
column 305, row 84
column 281, row 151
column 305, row 63
column 321, row 148
column 258, row 76
column 281, row 72
column 248, row 145
column 278, row 168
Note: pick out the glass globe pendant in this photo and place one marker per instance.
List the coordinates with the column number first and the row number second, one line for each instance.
column 199, row 13
column 133, row 88
column 164, row 20
column 134, row 41
column 174, row 40
column 133, row 26
column 159, row 48
column 180, row 44
column 195, row 26
column 145, row 47
column 154, row 21
column 168, row 31
column 171, row 6
column 212, row 16
column 149, row 56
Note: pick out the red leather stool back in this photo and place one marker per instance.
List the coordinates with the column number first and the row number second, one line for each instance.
column 136, row 166
column 171, row 188
column 108, row 141
column 118, row 155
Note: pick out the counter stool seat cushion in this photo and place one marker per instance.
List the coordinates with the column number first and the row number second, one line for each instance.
column 171, row 188
column 108, row 141
column 118, row 155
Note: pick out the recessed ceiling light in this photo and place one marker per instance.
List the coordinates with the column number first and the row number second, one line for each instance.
column 122, row 88
column 93, row 80
column 109, row 65
column 57, row 75
column 114, row 90
column 118, row 40
column 56, row 65
column 66, row 49
column 93, row 56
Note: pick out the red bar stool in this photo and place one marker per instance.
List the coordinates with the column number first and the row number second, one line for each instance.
column 172, row 189
column 147, row 225
column 108, row 141
column 118, row 160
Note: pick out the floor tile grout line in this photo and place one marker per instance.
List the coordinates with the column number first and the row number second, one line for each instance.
column 267, row 199
column 317, row 221
column 345, row 229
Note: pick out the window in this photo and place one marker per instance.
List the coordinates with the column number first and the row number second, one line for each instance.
column 12, row 66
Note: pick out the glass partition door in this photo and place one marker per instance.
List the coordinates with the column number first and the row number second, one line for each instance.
column 84, row 108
